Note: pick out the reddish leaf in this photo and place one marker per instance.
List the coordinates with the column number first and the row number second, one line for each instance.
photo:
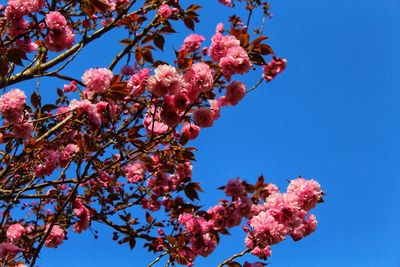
column 159, row 41
column 189, row 23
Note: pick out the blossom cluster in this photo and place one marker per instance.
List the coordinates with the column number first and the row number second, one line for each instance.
column 114, row 143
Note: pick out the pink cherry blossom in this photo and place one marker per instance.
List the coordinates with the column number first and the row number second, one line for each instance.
column 134, row 171
column 190, row 131
column 11, row 104
column 307, row 193
column 56, row 236
column 273, row 68
column 166, row 80
column 192, row 42
column 198, row 79
column 164, row 11
column 234, row 187
column 8, row 250
column 127, row 70
column 15, row 232
column 55, row 21
column 97, row 80
column 138, row 82
column 227, row 3
column 58, row 40
column 25, row 7
column 204, row 117
column 83, row 215
column 235, row 92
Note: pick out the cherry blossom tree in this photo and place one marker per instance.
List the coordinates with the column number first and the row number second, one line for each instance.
column 115, row 142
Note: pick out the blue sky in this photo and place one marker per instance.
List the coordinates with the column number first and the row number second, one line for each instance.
column 333, row 115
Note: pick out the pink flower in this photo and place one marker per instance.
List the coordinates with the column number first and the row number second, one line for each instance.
column 190, row 131
column 97, row 80
column 27, row 45
column 273, row 68
column 268, row 190
column 266, row 229
column 235, row 92
column 83, row 215
column 198, row 79
column 8, row 250
column 15, row 232
column 235, row 188
column 235, row 61
column 220, row 44
column 165, row 81
column 55, row 238
column 203, row 117
column 181, row 100
column 190, row 222
column 25, row 7
column 135, row 171
column 22, row 129
column 192, row 42
column 60, row 41
column 85, row 106
column 204, row 245
column 11, row 104
column 170, row 117
column 227, row 3
column 50, row 159
column 70, row 87
column 306, row 193
column 68, row 153
column 138, row 82
column 152, row 125
column 55, row 21
column 305, row 228
column 127, row 70
column 164, row 11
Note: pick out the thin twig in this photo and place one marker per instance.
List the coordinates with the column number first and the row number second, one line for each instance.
column 234, row 256
column 157, row 259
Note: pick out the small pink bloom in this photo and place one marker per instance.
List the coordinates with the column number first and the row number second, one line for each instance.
column 226, row 3
column 307, row 193
column 273, row 68
column 57, row 40
column 11, row 104
column 8, row 250
column 164, row 11
column 22, row 129
column 27, row 45
column 97, row 80
column 235, row 188
column 68, row 153
column 192, row 42
column 166, row 80
column 127, row 70
column 135, row 171
column 55, row 21
column 198, row 79
column 25, row 7
column 138, row 82
column 55, row 238
column 15, row 232
column 235, row 92
column 83, row 215
column 152, row 125
column 70, row 87
column 190, row 131
column 203, row 117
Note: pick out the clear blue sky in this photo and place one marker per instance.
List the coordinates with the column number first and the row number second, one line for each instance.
column 333, row 115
